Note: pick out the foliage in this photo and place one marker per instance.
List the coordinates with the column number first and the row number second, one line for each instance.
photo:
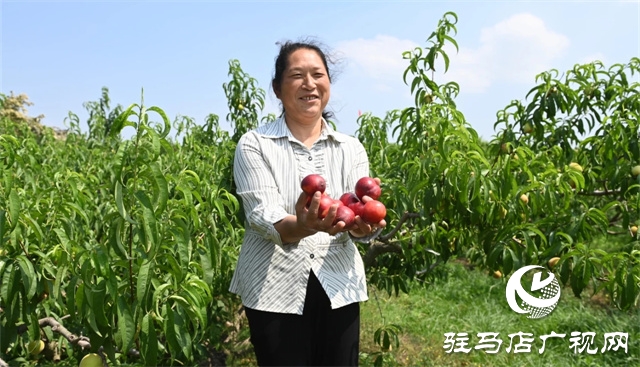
column 131, row 242
column 470, row 195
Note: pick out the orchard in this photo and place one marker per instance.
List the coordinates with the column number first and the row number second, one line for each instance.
column 118, row 251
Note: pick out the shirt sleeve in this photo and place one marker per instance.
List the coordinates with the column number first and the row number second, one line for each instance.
column 263, row 204
column 360, row 164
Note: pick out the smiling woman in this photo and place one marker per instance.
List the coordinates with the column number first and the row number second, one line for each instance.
column 300, row 276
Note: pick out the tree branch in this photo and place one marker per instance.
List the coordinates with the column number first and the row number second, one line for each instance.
column 404, row 218
column 519, row 242
column 429, row 269
column 615, row 218
column 381, row 245
column 378, row 248
column 81, row 341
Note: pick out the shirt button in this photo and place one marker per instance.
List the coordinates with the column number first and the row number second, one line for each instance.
column 311, row 256
column 310, row 158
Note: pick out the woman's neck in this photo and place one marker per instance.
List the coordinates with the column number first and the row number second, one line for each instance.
column 306, row 133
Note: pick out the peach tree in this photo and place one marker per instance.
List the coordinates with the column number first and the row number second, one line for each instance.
column 123, row 247
column 556, row 176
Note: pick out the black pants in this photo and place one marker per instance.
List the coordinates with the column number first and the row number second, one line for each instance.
column 319, row 337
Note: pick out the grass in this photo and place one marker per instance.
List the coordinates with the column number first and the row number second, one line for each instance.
column 473, row 302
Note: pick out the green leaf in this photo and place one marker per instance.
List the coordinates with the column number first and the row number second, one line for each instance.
column 149, row 341
column 79, row 210
column 14, row 209
column 120, row 203
column 35, row 227
column 148, row 221
column 170, row 331
column 122, row 121
column 34, row 327
column 165, row 120
column 8, row 287
column 98, row 293
column 3, row 221
column 64, row 239
column 446, row 60
column 177, row 332
column 61, row 274
column 144, row 283
column 158, row 293
column 160, row 200
column 29, row 278
column 630, row 291
column 507, row 260
column 207, row 268
column 116, row 233
column 71, row 290
column 126, row 327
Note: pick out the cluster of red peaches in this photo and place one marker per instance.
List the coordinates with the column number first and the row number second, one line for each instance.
column 350, row 204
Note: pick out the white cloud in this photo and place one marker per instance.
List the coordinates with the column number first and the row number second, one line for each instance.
column 594, row 57
column 514, row 50
column 379, row 58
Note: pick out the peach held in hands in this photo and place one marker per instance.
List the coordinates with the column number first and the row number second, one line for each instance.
column 369, row 187
column 349, row 198
column 324, row 206
column 313, row 183
column 373, row 212
column 346, row 215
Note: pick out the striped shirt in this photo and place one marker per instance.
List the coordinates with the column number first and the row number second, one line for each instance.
column 269, row 165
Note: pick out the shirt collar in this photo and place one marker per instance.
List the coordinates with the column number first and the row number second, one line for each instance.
column 279, row 129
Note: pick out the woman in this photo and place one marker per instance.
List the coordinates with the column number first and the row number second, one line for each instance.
column 300, row 277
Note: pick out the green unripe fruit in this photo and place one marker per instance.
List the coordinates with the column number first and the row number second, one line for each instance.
column 91, row 360
column 35, row 347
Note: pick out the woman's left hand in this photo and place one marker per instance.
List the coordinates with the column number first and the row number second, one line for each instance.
column 361, row 228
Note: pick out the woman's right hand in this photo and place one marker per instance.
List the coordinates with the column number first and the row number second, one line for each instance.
column 308, row 217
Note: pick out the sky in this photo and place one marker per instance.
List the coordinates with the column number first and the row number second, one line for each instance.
column 62, row 53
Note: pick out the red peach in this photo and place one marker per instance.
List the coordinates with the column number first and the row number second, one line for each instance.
column 373, row 212
column 369, row 187
column 313, row 183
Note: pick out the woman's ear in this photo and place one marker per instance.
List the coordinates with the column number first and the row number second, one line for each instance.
column 276, row 89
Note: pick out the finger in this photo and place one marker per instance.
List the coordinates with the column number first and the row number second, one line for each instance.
column 314, row 205
column 302, row 200
column 338, row 227
column 363, row 226
column 377, row 180
column 331, row 215
column 351, row 227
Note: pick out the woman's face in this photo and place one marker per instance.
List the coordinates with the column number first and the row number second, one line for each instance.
column 305, row 87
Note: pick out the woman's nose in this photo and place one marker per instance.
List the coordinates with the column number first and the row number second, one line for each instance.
column 308, row 82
